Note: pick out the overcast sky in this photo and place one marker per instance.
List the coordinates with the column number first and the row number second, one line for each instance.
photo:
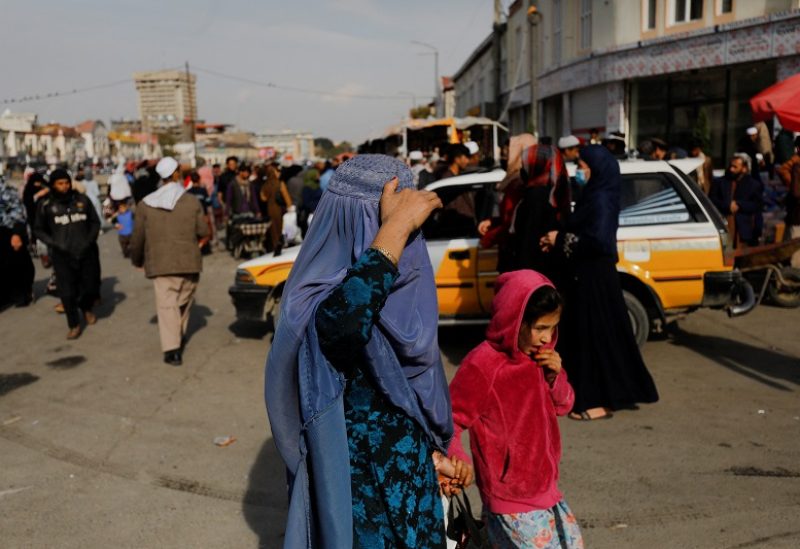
column 344, row 46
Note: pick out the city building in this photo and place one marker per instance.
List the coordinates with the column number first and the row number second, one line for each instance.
column 129, row 146
column 215, row 142
column 95, row 141
column 289, row 145
column 14, row 129
column 123, row 125
column 474, row 82
column 448, row 97
column 167, row 103
column 677, row 69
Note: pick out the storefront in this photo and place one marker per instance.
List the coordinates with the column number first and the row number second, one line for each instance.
column 710, row 105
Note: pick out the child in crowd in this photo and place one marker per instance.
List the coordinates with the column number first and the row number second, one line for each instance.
column 123, row 222
column 507, row 394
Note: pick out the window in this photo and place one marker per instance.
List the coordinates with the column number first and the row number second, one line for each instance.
column 649, row 199
column 586, row 24
column 651, row 14
column 556, row 31
column 464, row 206
column 688, row 10
column 724, row 6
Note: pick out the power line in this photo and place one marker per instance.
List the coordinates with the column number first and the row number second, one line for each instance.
column 323, row 93
column 56, row 94
column 75, row 91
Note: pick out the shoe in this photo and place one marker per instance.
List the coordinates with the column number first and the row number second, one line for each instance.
column 90, row 317
column 74, row 333
column 59, row 308
column 173, row 358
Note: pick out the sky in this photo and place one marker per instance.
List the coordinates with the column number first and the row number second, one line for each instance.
column 348, row 47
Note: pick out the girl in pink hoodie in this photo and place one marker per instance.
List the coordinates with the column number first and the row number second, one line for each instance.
column 507, row 394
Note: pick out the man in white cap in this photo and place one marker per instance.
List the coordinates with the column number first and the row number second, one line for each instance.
column 748, row 145
column 474, row 154
column 416, row 161
column 169, row 231
column 570, row 147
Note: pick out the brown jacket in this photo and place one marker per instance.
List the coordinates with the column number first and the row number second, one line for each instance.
column 166, row 242
column 785, row 170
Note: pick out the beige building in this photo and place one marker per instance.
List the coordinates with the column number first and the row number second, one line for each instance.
column 677, row 69
column 167, row 102
column 289, row 145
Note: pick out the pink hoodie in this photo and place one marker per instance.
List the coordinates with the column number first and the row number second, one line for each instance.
column 501, row 397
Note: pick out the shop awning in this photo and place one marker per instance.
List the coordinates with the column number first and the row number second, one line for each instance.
column 781, row 100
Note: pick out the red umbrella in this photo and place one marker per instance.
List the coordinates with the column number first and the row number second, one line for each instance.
column 781, row 100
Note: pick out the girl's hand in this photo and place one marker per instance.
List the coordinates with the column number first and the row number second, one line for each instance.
column 16, row 242
column 548, row 241
column 550, row 360
column 454, row 473
column 484, row 226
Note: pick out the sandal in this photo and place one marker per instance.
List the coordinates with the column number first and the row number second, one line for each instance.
column 591, row 414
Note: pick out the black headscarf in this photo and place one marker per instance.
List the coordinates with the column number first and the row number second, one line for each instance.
column 596, row 216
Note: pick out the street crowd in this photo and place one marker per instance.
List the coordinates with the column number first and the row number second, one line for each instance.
column 359, row 406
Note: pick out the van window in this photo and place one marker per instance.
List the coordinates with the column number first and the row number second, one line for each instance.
column 464, row 207
column 649, row 199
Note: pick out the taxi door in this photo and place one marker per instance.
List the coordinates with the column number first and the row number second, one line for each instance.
column 452, row 239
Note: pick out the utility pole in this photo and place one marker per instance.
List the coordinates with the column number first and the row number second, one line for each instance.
column 436, row 83
column 189, row 90
column 534, row 18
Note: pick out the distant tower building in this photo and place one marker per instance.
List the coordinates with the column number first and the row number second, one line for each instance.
column 167, row 102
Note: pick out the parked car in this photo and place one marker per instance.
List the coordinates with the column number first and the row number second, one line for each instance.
column 674, row 252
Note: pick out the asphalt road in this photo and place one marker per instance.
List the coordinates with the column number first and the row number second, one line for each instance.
column 103, row 445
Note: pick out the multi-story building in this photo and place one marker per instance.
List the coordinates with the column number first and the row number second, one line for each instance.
column 676, row 69
column 167, row 103
column 287, row 144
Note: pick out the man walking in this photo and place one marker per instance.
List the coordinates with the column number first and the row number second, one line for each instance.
column 740, row 197
column 169, row 231
column 68, row 223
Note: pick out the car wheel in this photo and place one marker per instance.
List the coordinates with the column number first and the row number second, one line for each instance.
column 784, row 296
column 640, row 322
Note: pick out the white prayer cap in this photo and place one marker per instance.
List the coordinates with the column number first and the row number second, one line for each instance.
column 568, row 141
column 166, row 167
column 472, row 147
column 415, row 155
column 752, row 130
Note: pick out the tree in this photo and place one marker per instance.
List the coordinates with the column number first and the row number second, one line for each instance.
column 167, row 143
column 323, row 144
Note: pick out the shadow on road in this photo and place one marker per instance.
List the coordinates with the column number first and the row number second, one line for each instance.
column 756, row 363
column 9, row 382
column 197, row 320
column 456, row 341
column 266, row 495
column 249, row 330
column 110, row 298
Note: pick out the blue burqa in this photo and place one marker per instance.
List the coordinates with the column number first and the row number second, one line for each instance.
column 304, row 393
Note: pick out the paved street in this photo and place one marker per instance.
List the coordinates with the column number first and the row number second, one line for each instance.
column 103, row 445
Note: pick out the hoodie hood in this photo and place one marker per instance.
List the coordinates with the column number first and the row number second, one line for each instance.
column 513, row 291
column 166, row 197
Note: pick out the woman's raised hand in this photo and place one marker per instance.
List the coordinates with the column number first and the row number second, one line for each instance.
column 407, row 209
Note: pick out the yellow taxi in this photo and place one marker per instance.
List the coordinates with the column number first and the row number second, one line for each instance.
column 674, row 254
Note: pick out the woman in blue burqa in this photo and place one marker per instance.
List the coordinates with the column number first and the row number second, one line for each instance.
column 356, row 394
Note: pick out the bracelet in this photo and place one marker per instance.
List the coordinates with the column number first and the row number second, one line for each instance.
column 386, row 253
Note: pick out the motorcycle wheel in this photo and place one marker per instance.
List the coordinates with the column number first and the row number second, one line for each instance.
column 783, row 296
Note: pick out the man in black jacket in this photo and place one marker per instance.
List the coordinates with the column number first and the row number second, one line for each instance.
column 740, row 197
column 67, row 222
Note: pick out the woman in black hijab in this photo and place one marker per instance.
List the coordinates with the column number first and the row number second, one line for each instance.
column 597, row 342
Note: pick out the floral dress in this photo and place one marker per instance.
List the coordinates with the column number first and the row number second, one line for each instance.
column 394, row 483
